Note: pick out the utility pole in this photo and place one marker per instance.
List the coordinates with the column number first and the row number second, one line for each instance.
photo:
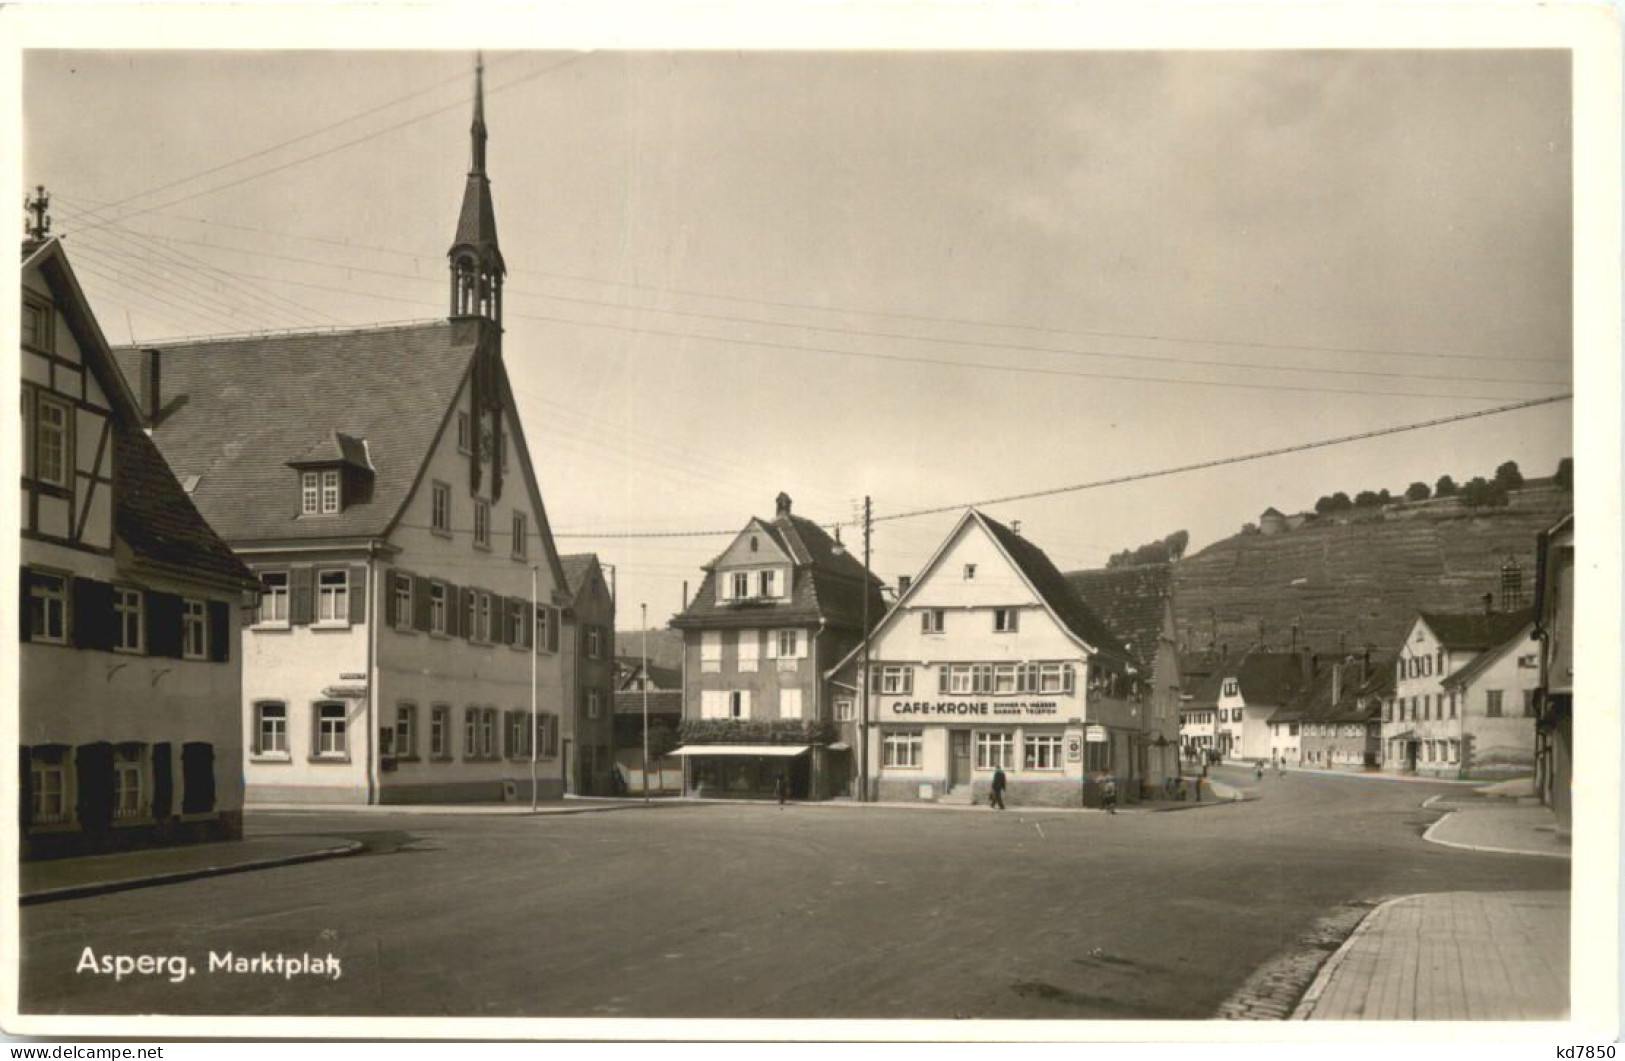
column 863, row 666
column 644, row 621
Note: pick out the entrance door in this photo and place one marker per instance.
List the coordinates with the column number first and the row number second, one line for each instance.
column 959, row 758
column 569, row 767
column 1411, row 749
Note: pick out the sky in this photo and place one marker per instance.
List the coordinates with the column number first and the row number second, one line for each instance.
column 930, row 278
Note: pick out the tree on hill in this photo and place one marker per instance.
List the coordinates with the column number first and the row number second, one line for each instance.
column 1508, row 477
column 1367, row 499
column 1418, row 491
column 1338, row 502
column 1159, row 552
column 1481, row 493
column 1565, row 474
column 1445, row 487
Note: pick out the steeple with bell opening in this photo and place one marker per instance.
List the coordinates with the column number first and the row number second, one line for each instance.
column 477, row 268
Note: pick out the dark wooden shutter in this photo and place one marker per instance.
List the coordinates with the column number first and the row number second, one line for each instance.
column 552, row 629
column 391, row 612
column 197, row 777
column 93, row 765
column 25, row 789
column 163, row 781
column 358, row 593
column 421, row 605
column 506, row 604
column 92, row 614
column 508, row 747
column 529, row 614
column 454, row 614
column 464, row 598
column 25, row 584
column 301, row 596
column 219, row 631
column 164, row 625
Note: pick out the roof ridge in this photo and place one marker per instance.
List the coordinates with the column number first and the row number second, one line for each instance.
column 279, row 333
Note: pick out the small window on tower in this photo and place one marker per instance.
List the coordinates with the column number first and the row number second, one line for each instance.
column 465, row 435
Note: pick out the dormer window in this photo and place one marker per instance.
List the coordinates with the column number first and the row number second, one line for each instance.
column 319, row 492
column 769, row 581
column 741, row 584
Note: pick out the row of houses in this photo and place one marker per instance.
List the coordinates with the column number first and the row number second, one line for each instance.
column 292, row 568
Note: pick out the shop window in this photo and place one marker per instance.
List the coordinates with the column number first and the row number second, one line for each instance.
column 903, row 748
column 995, row 751
column 1041, row 752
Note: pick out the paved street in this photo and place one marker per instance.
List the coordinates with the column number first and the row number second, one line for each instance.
column 749, row 911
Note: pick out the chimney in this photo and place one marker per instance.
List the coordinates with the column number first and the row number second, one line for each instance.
column 903, row 583
column 1015, row 527
column 684, row 608
column 1489, row 604
column 1337, row 683
column 150, row 385
column 781, row 505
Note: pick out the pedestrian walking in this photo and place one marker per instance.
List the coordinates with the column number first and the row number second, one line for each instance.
column 781, row 788
column 1108, row 793
column 996, row 799
column 1280, row 767
column 1258, row 773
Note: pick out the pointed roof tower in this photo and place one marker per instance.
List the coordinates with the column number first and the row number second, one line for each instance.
column 477, row 268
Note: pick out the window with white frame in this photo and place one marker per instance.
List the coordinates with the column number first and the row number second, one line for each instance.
column 310, row 493
column 903, row 748
column 47, row 607
column 1056, row 678
column 271, row 728
column 330, row 491
column 592, row 703
column 713, row 703
column 465, row 434
column 332, row 731
column 273, row 598
column 471, row 733
column 789, row 703
column 48, row 780
column 1492, row 703
column 440, row 508
column 1041, row 752
column 36, row 325
column 787, row 643
column 440, row 731
column 51, row 461
column 1231, row 687
column 437, row 607
column 995, row 751
column 895, row 678
column 750, row 650
column 406, row 731
column 1004, row 679
column 403, row 601
column 484, row 618
column 194, row 629
column 710, row 651
column 521, row 536
column 488, row 733
column 845, row 711
column 595, row 642
column 482, row 524
column 1455, row 751
column 129, row 790
column 932, row 620
column 741, row 584
column 768, row 582
column 518, row 729
column 333, row 596
column 127, row 613
column 516, row 623
column 1005, row 620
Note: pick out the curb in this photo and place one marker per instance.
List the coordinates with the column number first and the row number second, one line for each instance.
column 83, row 891
column 1486, row 849
column 1311, row 998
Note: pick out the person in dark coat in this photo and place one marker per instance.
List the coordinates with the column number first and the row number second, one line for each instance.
column 1108, row 793
column 996, row 799
column 781, row 788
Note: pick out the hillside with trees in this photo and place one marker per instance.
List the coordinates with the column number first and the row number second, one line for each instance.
column 1354, row 576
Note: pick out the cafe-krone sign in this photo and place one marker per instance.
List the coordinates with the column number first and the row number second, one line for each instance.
column 988, row 710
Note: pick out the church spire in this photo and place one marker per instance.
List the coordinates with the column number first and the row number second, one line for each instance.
column 477, row 268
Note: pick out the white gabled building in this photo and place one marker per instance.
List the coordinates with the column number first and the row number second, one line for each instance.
column 990, row 660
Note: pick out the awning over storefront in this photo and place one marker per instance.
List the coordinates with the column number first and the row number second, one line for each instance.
column 1409, row 734
column 771, row 751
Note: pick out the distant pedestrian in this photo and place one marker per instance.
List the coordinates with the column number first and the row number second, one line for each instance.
column 1258, row 773
column 996, row 799
column 1108, row 793
column 1280, row 767
column 781, row 788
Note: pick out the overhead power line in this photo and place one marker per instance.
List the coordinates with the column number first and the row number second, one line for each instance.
column 1136, row 477
column 980, row 344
